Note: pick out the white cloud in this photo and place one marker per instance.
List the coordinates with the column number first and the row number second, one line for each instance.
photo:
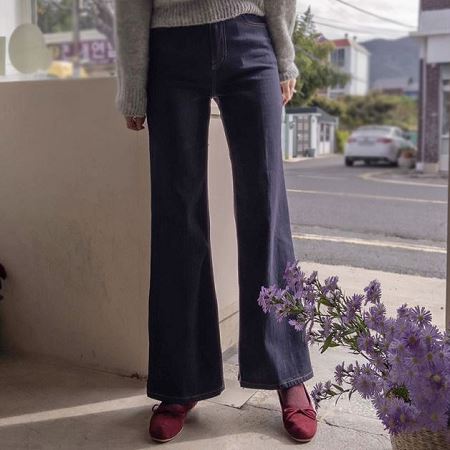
column 346, row 19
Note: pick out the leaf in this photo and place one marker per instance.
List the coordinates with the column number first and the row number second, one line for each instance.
column 350, row 394
column 328, row 342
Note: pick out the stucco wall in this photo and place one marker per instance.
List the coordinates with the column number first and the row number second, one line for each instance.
column 75, row 225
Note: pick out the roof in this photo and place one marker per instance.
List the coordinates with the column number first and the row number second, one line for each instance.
column 312, row 110
column 346, row 42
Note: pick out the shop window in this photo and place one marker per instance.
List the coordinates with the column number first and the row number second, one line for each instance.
column 56, row 39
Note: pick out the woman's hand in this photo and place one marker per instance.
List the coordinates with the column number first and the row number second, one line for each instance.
column 135, row 123
column 288, row 89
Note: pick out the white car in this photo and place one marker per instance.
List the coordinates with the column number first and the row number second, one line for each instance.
column 373, row 143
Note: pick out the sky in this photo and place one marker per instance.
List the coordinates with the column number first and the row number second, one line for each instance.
column 345, row 19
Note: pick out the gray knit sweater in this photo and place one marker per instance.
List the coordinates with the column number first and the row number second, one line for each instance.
column 134, row 18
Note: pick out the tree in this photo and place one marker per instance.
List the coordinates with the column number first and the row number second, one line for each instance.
column 56, row 15
column 312, row 58
column 372, row 109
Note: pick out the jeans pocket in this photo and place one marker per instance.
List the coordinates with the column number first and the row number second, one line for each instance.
column 253, row 19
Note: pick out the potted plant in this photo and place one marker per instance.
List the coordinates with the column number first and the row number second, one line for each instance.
column 406, row 369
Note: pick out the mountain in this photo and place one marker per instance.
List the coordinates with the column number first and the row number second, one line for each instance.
column 397, row 58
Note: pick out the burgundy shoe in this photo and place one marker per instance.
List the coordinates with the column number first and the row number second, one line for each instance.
column 299, row 414
column 168, row 419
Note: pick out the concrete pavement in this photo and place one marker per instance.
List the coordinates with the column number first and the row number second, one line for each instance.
column 48, row 404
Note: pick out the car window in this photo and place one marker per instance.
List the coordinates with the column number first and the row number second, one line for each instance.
column 373, row 130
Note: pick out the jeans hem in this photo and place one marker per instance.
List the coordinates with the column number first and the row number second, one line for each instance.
column 188, row 398
column 281, row 385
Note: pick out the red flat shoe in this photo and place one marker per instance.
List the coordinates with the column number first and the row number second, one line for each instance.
column 168, row 419
column 300, row 423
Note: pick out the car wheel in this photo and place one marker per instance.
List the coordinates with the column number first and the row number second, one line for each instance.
column 394, row 163
column 349, row 162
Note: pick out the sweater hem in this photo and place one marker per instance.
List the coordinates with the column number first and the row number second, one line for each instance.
column 215, row 11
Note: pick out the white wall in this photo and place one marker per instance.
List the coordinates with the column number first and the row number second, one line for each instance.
column 359, row 61
column 75, row 225
column 12, row 14
column 356, row 64
column 438, row 48
column 434, row 22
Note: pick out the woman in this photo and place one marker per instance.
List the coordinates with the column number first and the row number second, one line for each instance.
column 173, row 57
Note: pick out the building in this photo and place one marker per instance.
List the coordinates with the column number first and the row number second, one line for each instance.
column 308, row 131
column 434, row 36
column 352, row 58
column 397, row 86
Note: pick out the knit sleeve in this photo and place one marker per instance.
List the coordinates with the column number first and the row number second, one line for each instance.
column 131, row 34
column 281, row 15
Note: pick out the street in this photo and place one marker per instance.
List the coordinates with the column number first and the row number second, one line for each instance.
column 371, row 217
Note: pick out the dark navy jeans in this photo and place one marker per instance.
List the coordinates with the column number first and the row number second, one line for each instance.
column 233, row 62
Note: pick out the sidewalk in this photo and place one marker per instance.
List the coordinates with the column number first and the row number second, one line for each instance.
column 51, row 405
column 407, row 176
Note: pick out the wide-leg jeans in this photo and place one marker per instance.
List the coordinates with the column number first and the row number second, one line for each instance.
column 233, row 62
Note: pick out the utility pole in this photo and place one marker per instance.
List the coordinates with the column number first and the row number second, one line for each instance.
column 76, row 38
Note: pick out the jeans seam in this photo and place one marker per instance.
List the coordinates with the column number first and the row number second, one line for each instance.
column 303, row 377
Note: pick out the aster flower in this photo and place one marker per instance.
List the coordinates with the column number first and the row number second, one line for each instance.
column 420, row 315
column 406, row 375
column 373, row 292
column 339, row 373
column 330, row 284
column 367, row 384
column 403, row 311
column 297, row 323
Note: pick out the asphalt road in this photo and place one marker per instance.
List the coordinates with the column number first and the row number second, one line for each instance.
column 367, row 216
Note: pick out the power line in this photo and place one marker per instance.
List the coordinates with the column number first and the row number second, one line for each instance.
column 364, row 11
column 339, row 23
column 375, row 32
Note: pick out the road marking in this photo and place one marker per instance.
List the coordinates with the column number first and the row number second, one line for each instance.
column 374, row 197
column 371, row 176
column 372, row 243
column 322, row 177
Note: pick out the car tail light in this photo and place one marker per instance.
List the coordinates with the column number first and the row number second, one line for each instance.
column 384, row 140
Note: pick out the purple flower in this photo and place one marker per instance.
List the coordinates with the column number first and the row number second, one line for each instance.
column 432, row 335
column 339, row 373
column 317, row 393
column 330, row 284
column 403, row 311
column 373, row 292
column 356, row 301
column 400, row 415
column 407, row 376
column 412, row 337
column 420, row 315
column 352, row 307
column 326, row 326
column 297, row 323
column 365, row 342
column 294, row 276
column 265, row 297
column 367, row 383
column 376, row 316
column 312, row 278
